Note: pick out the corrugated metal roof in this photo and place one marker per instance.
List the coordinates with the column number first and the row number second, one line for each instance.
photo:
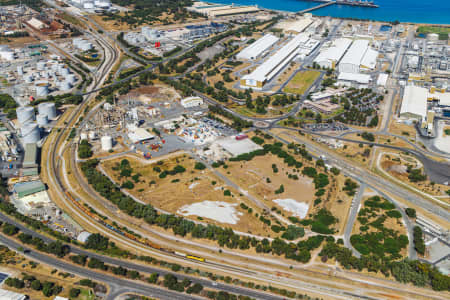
column 335, row 52
column 30, row 159
column 370, row 59
column 27, row 188
column 356, row 52
column 262, row 72
column 8, row 295
column 356, row 77
column 258, row 47
column 414, row 101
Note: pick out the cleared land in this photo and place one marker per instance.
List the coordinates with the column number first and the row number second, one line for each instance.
column 301, row 82
column 186, row 191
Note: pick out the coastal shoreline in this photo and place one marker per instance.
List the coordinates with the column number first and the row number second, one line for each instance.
column 335, row 17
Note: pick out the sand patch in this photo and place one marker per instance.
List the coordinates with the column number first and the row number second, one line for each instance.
column 299, row 209
column 219, row 211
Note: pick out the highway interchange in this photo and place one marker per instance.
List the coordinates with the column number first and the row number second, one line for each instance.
column 55, row 166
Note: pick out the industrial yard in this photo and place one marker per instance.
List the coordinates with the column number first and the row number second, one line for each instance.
column 225, row 144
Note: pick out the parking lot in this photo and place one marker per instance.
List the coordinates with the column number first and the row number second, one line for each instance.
column 326, row 127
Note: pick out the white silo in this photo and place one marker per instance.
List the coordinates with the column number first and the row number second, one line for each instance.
column 92, row 135
column 83, row 136
column 20, row 70
column 48, row 109
column 107, row 143
column 42, row 120
column 65, row 86
column 41, row 89
column 25, row 114
column 30, row 133
column 40, row 66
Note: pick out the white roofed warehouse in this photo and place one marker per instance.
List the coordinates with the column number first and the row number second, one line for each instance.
column 257, row 48
column 351, row 61
column 274, row 64
column 414, row 104
column 330, row 57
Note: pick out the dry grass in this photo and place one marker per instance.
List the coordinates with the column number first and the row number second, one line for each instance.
column 252, row 176
column 388, row 163
column 14, row 264
column 301, row 81
column 185, row 188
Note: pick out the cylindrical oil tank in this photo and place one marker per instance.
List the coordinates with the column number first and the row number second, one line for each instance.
column 42, row 120
column 41, row 89
column 48, row 109
column 92, row 135
column 25, row 114
column 107, row 143
column 20, row 70
column 40, row 66
column 65, row 86
column 83, row 136
column 30, row 133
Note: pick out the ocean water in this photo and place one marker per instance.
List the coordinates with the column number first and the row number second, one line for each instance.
column 416, row 11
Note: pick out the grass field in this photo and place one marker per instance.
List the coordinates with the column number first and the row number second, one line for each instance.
column 433, row 29
column 301, row 82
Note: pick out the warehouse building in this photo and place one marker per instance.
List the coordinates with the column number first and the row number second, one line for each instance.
column 258, row 47
column 234, row 147
column 369, row 60
column 219, row 10
column 191, row 102
column 330, row 57
column 414, row 104
column 31, row 158
column 353, row 59
column 296, row 26
column 273, row 65
column 139, row 135
column 23, row 189
column 8, row 295
column 357, row 79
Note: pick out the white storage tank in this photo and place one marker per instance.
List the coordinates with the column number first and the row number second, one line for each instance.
column 107, row 143
column 48, row 109
column 41, row 89
column 25, row 114
column 42, row 120
column 65, row 86
column 30, row 133
column 20, row 70
column 83, row 136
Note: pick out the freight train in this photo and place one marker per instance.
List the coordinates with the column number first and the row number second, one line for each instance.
column 128, row 235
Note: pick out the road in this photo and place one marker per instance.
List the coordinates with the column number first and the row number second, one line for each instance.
column 118, row 285
column 374, row 180
column 356, row 202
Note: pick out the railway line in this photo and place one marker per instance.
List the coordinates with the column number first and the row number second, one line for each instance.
column 53, row 172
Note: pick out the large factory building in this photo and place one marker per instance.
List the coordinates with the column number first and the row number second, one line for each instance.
column 257, row 48
column 274, row 64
